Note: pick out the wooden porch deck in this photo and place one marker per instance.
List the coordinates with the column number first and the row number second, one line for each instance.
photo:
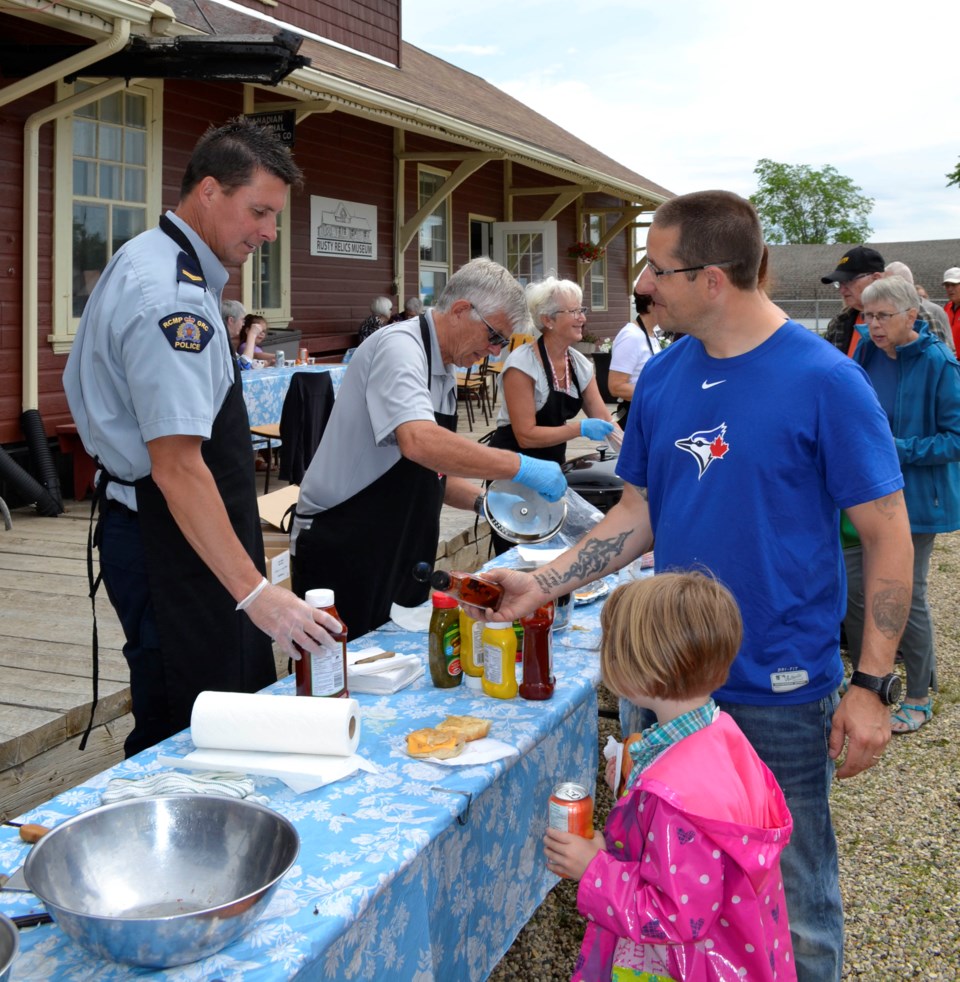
column 45, row 662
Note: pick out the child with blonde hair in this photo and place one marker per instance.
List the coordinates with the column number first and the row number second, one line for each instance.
column 684, row 882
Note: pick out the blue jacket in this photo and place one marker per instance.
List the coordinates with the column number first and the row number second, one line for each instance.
column 926, row 427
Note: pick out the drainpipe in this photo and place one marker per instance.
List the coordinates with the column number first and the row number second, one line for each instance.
column 31, row 184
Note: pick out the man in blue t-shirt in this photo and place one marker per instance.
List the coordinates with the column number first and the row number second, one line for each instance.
column 744, row 441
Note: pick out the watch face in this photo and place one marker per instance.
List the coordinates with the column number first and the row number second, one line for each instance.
column 892, row 689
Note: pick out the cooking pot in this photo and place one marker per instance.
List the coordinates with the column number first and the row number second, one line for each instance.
column 162, row 881
column 594, row 478
column 9, row 946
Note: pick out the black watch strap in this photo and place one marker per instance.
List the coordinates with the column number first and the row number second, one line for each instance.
column 887, row 687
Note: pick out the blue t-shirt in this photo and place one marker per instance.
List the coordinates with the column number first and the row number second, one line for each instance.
column 746, row 462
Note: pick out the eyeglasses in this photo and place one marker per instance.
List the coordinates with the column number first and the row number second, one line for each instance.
column 882, row 317
column 495, row 337
column 576, row 311
column 853, row 279
column 686, row 269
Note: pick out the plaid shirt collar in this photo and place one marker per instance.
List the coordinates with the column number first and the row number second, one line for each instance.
column 657, row 738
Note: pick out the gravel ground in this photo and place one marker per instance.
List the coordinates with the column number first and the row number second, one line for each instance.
column 898, row 828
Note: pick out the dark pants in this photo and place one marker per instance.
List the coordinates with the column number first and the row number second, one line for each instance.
column 125, row 578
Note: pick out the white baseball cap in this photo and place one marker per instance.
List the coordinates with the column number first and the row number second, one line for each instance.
column 952, row 275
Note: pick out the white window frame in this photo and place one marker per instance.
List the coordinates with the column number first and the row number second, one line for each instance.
column 480, row 219
column 596, row 226
column 427, row 265
column 65, row 322
column 548, row 230
column 279, row 318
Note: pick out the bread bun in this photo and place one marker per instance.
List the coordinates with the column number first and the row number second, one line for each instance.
column 469, row 727
column 434, row 743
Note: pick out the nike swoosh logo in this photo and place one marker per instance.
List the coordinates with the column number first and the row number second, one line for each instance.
column 710, row 385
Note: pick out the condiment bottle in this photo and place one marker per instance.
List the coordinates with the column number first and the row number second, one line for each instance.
column 471, row 650
column 445, row 642
column 499, row 660
column 538, row 681
column 468, row 587
column 324, row 672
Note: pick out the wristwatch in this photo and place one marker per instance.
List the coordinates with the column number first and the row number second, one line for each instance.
column 886, row 687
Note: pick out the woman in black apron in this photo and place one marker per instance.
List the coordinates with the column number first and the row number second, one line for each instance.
column 389, row 527
column 555, row 366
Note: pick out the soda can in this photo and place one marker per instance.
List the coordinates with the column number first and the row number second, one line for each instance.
column 281, row 360
column 571, row 809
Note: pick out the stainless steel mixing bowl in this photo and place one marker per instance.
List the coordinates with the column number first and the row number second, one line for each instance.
column 9, row 946
column 162, row 881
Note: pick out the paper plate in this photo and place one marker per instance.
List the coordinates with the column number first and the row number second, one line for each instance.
column 592, row 592
column 518, row 514
column 474, row 752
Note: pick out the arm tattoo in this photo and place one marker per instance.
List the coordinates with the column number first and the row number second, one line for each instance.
column 891, row 604
column 591, row 560
column 889, row 505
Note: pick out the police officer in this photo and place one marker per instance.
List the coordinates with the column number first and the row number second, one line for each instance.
column 154, row 390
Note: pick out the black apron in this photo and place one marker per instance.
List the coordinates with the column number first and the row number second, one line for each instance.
column 365, row 548
column 205, row 642
column 557, row 410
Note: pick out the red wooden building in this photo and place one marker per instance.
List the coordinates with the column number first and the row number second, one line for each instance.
column 412, row 167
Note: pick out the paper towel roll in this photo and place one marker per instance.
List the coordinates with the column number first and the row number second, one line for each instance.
column 281, row 724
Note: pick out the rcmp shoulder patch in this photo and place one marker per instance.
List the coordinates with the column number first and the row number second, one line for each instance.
column 186, row 331
column 189, row 271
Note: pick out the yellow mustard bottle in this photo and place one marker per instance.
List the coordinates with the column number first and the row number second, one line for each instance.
column 500, row 660
column 471, row 650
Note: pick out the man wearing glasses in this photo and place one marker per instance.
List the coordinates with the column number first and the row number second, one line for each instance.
column 857, row 269
column 745, row 439
column 390, row 457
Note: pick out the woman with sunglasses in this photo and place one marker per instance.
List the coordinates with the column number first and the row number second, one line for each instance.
column 917, row 381
column 546, row 384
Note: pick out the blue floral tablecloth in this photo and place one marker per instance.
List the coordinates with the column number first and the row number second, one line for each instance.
column 400, row 874
column 264, row 389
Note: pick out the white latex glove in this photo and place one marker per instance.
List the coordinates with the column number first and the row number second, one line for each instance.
column 290, row 621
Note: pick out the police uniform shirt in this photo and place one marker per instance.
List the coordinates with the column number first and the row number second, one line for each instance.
column 385, row 386
column 151, row 357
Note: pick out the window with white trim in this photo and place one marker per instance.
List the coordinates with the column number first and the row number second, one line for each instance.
column 598, row 268
column 434, row 237
column 107, row 190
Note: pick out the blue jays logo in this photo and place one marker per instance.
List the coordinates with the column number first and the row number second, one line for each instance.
column 706, row 446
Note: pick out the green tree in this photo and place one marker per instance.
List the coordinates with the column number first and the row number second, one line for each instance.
column 954, row 176
column 798, row 204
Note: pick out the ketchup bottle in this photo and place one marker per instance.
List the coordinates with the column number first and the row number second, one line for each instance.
column 538, row 681
column 468, row 587
column 324, row 672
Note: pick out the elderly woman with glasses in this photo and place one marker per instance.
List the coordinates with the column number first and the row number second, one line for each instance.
column 917, row 380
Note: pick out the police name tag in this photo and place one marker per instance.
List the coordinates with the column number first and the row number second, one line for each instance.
column 186, row 331
column 788, row 681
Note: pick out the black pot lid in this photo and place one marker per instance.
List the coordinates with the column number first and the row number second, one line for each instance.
column 518, row 514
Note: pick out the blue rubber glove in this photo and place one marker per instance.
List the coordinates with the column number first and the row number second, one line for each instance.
column 595, row 429
column 544, row 476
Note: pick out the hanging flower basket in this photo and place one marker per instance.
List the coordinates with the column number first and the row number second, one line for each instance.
column 585, row 252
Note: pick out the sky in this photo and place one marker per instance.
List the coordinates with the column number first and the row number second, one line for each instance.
column 692, row 93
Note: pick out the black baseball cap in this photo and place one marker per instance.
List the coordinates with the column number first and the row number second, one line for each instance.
column 855, row 262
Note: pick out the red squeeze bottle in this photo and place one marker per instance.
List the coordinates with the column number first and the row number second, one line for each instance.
column 468, row 587
column 324, row 672
column 538, row 681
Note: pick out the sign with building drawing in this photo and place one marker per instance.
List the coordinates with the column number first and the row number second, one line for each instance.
column 342, row 229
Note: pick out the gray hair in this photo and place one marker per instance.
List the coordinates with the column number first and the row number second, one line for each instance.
column 891, row 289
column 413, row 306
column 489, row 287
column 231, row 308
column 381, row 306
column 543, row 297
column 899, row 269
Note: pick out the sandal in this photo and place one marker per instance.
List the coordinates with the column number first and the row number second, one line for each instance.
column 909, row 722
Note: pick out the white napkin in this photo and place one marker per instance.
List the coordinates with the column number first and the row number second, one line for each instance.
column 411, row 618
column 535, row 554
column 477, row 752
column 300, row 772
column 382, row 677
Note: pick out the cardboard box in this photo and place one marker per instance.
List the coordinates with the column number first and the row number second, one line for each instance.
column 276, row 544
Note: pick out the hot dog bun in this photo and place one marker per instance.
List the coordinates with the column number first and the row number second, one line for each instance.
column 434, row 743
column 469, row 727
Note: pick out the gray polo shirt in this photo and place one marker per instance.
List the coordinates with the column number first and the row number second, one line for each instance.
column 385, row 385
column 151, row 357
